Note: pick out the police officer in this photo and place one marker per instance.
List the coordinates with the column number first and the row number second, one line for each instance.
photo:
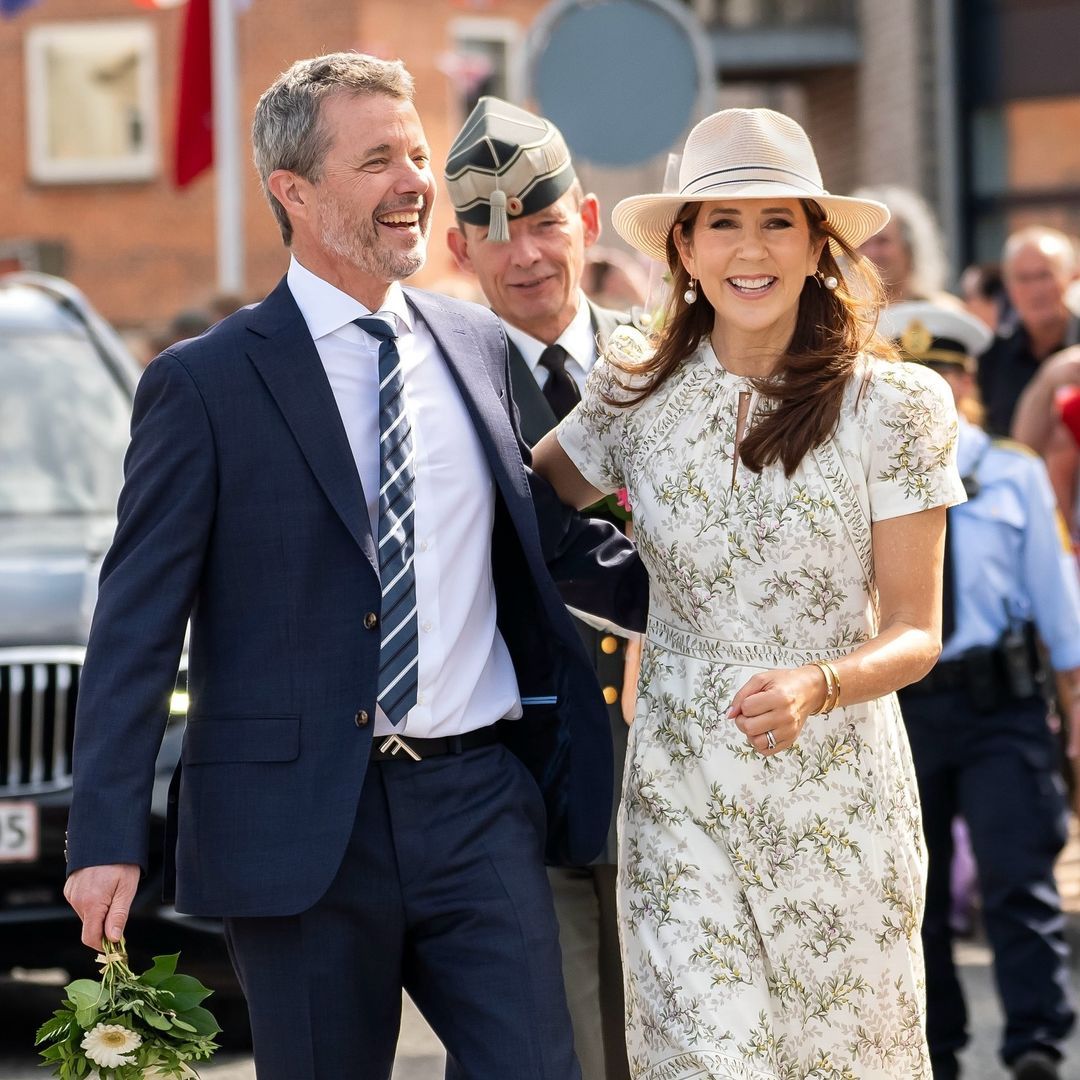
column 978, row 722
column 523, row 224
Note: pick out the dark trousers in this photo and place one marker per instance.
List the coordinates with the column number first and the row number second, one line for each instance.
column 442, row 891
column 999, row 772
column 592, row 965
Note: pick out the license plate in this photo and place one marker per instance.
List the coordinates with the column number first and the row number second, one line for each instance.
column 18, row 832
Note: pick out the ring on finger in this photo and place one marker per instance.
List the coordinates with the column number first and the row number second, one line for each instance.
column 770, row 739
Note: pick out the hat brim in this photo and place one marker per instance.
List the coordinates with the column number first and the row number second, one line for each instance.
column 644, row 221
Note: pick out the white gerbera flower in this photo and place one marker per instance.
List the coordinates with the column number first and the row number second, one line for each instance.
column 107, row 1044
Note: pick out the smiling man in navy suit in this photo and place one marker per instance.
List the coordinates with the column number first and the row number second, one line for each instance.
column 392, row 714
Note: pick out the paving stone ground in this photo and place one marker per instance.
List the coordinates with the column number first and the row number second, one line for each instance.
column 420, row 1057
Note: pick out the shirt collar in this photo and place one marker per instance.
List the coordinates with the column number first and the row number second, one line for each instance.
column 578, row 339
column 326, row 309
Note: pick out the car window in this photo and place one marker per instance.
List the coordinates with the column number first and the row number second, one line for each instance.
column 63, row 427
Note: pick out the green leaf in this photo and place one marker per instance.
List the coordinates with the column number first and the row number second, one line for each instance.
column 187, row 991
column 183, row 1025
column 83, row 993
column 59, row 1024
column 164, row 967
column 86, row 1018
column 203, row 1021
column 156, row 1020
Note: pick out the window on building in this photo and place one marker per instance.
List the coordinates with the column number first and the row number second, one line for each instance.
column 92, row 101
column 1022, row 115
column 485, row 59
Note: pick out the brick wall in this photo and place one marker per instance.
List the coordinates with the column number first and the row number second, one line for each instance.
column 143, row 251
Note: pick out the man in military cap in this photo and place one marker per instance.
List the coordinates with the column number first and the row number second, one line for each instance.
column 523, row 224
column 978, row 723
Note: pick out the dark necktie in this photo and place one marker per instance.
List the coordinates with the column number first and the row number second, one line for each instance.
column 398, row 654
column 948, row 586
column 560, row 390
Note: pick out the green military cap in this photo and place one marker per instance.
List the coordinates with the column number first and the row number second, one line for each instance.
column 505, row 162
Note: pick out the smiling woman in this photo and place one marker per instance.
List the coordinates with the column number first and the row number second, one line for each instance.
column 788, row 480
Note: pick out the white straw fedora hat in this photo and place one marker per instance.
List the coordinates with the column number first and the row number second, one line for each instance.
column 744, row 154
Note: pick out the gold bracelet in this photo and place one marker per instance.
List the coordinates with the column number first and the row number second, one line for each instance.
column 832, row 686
column 834, row 696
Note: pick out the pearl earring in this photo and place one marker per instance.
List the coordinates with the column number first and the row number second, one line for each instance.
column 690, row 296
column 830, row 282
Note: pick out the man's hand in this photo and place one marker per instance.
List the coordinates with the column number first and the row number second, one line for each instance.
column 101, row 897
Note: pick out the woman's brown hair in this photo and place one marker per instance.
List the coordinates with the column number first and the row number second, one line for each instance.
column 832, row 328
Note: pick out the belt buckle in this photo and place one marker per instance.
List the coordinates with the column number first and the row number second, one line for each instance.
column 393, row 743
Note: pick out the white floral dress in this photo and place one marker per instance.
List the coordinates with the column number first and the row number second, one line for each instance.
column 769, row 907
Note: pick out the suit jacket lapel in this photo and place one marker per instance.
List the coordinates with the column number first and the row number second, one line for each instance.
column 485, row 404
column 537, row 416
column 287, row 361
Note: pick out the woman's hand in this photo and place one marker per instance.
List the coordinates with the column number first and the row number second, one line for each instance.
column 778, row 702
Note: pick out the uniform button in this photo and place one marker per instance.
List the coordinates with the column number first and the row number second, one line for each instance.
column 609, row 643
column 371, row 620
column 362, row 718
column 427, row 627
column 611, row 695
column 424, row 545
column 419, row 699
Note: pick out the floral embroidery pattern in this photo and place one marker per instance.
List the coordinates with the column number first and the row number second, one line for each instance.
column 770, row 907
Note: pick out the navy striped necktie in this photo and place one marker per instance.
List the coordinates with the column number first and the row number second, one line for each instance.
column 398, row 652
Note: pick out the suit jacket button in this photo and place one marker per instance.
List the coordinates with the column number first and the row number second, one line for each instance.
column 371, row 620
column 609, row 643
column 362, row 718
column 611, row 695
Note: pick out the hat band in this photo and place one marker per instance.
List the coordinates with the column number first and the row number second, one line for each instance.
column 951, row 357
column 751, row 174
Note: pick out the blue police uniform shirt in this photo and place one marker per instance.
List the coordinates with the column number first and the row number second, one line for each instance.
column 1011, row 557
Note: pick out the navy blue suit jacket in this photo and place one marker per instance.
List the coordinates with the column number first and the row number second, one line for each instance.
column 242, row 509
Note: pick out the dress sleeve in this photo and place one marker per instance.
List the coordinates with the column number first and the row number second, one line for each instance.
column 595, row 434
column 910, row 441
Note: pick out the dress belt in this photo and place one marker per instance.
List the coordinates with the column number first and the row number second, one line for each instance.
column 396, row 747
column 759, row 654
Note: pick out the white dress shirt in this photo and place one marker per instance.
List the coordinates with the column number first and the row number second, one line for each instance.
column 578, row 339
column 466, row 678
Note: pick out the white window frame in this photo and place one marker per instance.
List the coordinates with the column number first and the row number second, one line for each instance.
column 143, row 164
column 504, row 31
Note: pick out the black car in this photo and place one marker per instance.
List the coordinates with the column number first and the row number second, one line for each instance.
column 66, row 387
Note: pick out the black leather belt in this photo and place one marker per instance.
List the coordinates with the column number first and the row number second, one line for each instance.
column 401, row 748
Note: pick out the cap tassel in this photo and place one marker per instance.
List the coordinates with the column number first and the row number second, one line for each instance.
column 499, row 225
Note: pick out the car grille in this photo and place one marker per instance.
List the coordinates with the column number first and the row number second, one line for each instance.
column 38, row 688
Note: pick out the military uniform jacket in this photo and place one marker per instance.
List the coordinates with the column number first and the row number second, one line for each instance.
column 537, row 419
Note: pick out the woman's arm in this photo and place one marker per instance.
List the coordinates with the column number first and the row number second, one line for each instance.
column 551, row 461
column 1034, row 417
column 908, row 558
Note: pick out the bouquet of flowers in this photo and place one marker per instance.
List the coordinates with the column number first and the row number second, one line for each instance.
column 130, row 1027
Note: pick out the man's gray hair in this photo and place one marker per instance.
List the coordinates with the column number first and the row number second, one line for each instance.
column 288, row 133
column 1051, row 242
column 919, row 232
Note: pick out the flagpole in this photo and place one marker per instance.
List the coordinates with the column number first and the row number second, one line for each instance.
column 228, row 158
